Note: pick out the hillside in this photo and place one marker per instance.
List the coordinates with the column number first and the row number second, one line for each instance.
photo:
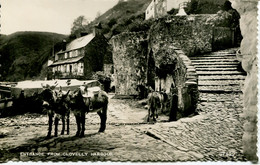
column 120, row 17
column 24, row 53
column 129, row 15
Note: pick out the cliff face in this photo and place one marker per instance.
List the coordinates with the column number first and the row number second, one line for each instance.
column 248, row 56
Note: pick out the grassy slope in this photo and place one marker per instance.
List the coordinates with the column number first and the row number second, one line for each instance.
column 119, row 16
column 24, row 53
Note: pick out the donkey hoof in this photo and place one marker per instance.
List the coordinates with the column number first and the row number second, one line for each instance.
column 101, row 130
column 62, row 133
column 156, row 116
column 48, row 137
column 81, row 135
column 68, row 133
column 77, row 134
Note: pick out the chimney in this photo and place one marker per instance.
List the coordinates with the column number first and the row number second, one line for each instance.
column 97, row 29
column 64, row 43
column 83, row 34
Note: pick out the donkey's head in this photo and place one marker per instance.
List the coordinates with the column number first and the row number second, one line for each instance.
column 76, row 99
column 47, row 97
column 62, row 99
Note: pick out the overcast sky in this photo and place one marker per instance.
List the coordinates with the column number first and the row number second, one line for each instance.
column 48, row 15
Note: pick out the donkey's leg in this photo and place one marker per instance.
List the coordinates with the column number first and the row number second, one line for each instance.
column 78, row 124
column 160, row 109
column 103, row 117
column 56, row 123
column 156, row 112
column 82, row 120
column 100, row 115
column 148, row 118
column 50, row 125
column 153, row 113
column 68, row 123
column 63, row 124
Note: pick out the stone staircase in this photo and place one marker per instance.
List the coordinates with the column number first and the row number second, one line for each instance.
column 218, row 73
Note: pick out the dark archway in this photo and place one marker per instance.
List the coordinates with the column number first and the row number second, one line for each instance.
column 151, row 70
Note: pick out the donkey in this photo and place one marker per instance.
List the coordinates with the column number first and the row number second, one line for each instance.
column 81, row 104
column 163, row 100
column 55, row 103
column 153, row 105
column 156, row 101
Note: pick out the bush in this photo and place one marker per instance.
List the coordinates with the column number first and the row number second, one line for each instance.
column 112, row 22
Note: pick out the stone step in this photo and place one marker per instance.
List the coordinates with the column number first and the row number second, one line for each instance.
column 216, row 66
column 213, row 60
column 218, row 55
column 219, row 73
column 207, row 99
column 212, row 90
column 211, row 57
column 221, row 83
column 224, row 97
column 216, row 63
column 223, row 77
column 220, row 87
column 233, row 68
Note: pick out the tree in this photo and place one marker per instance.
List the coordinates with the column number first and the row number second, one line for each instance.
column 98, row 14
column 192, row 7
column 79, row 26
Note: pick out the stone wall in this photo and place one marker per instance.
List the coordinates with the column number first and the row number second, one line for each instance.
column 130, row 62
column 192, row 33
column 248, row 56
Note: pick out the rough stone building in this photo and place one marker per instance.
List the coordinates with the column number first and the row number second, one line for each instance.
column 83, row 56
column 159, row 8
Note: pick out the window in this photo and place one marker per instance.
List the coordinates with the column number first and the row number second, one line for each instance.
column 56, row 57
column 68, row 68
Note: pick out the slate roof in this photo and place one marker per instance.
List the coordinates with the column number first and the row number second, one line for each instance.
column 67, row 61
column 79, row 42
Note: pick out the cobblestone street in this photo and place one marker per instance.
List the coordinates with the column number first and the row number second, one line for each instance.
column 213, row 135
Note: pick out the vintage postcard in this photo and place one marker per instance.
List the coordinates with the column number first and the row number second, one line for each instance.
column 128, row 80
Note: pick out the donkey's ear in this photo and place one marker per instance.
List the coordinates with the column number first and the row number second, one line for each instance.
column 80, row 93
column 67, row 93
